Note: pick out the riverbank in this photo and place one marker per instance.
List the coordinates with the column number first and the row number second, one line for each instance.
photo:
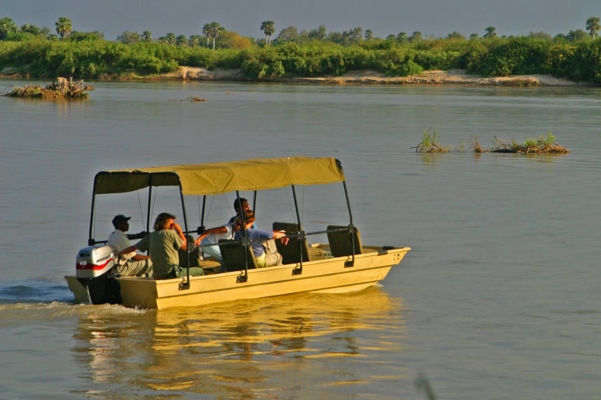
column 451, row 77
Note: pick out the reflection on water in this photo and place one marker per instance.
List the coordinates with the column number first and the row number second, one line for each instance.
column 225, row 347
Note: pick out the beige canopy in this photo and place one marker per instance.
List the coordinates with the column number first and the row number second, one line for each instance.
column 224, row 177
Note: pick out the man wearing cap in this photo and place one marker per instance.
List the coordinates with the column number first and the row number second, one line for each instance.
column 130, row 264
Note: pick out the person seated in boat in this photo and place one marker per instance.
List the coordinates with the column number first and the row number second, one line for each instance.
column 240, row 205
column 209, row 240
column 258, row 237
column 163, row 245
column 128, row 264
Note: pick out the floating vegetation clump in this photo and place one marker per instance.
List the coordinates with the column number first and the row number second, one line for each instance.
column 530, row 146
column 542, row 145
column 60, row 89
column 429, row 144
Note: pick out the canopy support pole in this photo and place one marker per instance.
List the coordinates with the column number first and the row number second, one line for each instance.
column 149, row 203
column 91, row 241
column 244, row 276
column 351, row 262
column 185, row 285
column 301, row 235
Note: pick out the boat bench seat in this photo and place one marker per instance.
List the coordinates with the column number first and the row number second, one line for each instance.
column 235, row 255
column 291, row 252
column 341, row 241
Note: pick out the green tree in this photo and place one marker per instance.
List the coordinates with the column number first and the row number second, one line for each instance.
column 401, row 37
column 212, row 30
column 369, row 34
column 540, row 35
column 128, row 37
column 169, row 38
column 289, row 34
column 415, row 37
column 593, row 26
column 577, row 35
column 455, row 35
column 194, row 40
column 7, row 26
column 319, row 34
column 490, row 32
column 63, row 27
column 34, row 30
column 268, row 28
column 181, row 40
column 146, row 37
column 85, row 36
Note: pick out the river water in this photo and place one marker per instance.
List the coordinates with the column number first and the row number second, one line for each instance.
column 499, row 298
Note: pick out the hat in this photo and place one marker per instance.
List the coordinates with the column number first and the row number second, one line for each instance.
column 120, row 218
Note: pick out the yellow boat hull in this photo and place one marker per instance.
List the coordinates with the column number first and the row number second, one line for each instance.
column 326, row 275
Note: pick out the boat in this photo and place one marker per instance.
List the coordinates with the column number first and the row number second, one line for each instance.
column 340, row 264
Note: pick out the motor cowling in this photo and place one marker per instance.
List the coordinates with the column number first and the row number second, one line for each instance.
column 94, row 270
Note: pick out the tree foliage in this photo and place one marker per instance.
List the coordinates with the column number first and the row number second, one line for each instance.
column 312, row 53
column 593, row 26
column 268, row 28
column 63, row 27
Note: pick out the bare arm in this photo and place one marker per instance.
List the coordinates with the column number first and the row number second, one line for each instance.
column 180, row 233
column 137, row 235
column 281, row 235
column 128, row 250
column 219, row 229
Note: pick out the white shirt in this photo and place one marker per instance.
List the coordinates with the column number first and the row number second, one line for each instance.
column 118, row 241
column 213, row 238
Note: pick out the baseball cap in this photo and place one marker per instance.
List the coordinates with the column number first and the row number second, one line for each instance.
column 120, row 218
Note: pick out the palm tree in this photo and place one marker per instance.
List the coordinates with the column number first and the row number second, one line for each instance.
column 63, row 27
column 415, row 37
column 369, row 34
column 593, row 26
column 205, row 31
column 212, row 30
column 7, row 25
column 490, row 32
column 268, row 28
column 181, row 40
column 401, row 37
column 170, row 38
column 146, row 36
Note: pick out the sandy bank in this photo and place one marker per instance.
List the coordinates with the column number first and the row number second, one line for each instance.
column 455, row 77
column 452, row 77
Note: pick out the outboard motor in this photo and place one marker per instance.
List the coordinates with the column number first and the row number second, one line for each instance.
column 93, row 269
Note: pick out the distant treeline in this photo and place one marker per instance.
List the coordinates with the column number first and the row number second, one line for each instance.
column 576, row 56
column 96, row 59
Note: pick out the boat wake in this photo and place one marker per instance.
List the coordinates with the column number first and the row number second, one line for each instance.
column 34, row 291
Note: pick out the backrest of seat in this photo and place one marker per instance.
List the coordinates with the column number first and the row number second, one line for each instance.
column 232, row 253
column 341, row 240
column 291, row 253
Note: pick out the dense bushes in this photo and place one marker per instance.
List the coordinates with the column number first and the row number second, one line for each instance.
column 96, row 57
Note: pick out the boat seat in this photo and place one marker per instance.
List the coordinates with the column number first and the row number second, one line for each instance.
column 291, row 253
column 341, row 241
column 233, row 255
column 193, row 256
